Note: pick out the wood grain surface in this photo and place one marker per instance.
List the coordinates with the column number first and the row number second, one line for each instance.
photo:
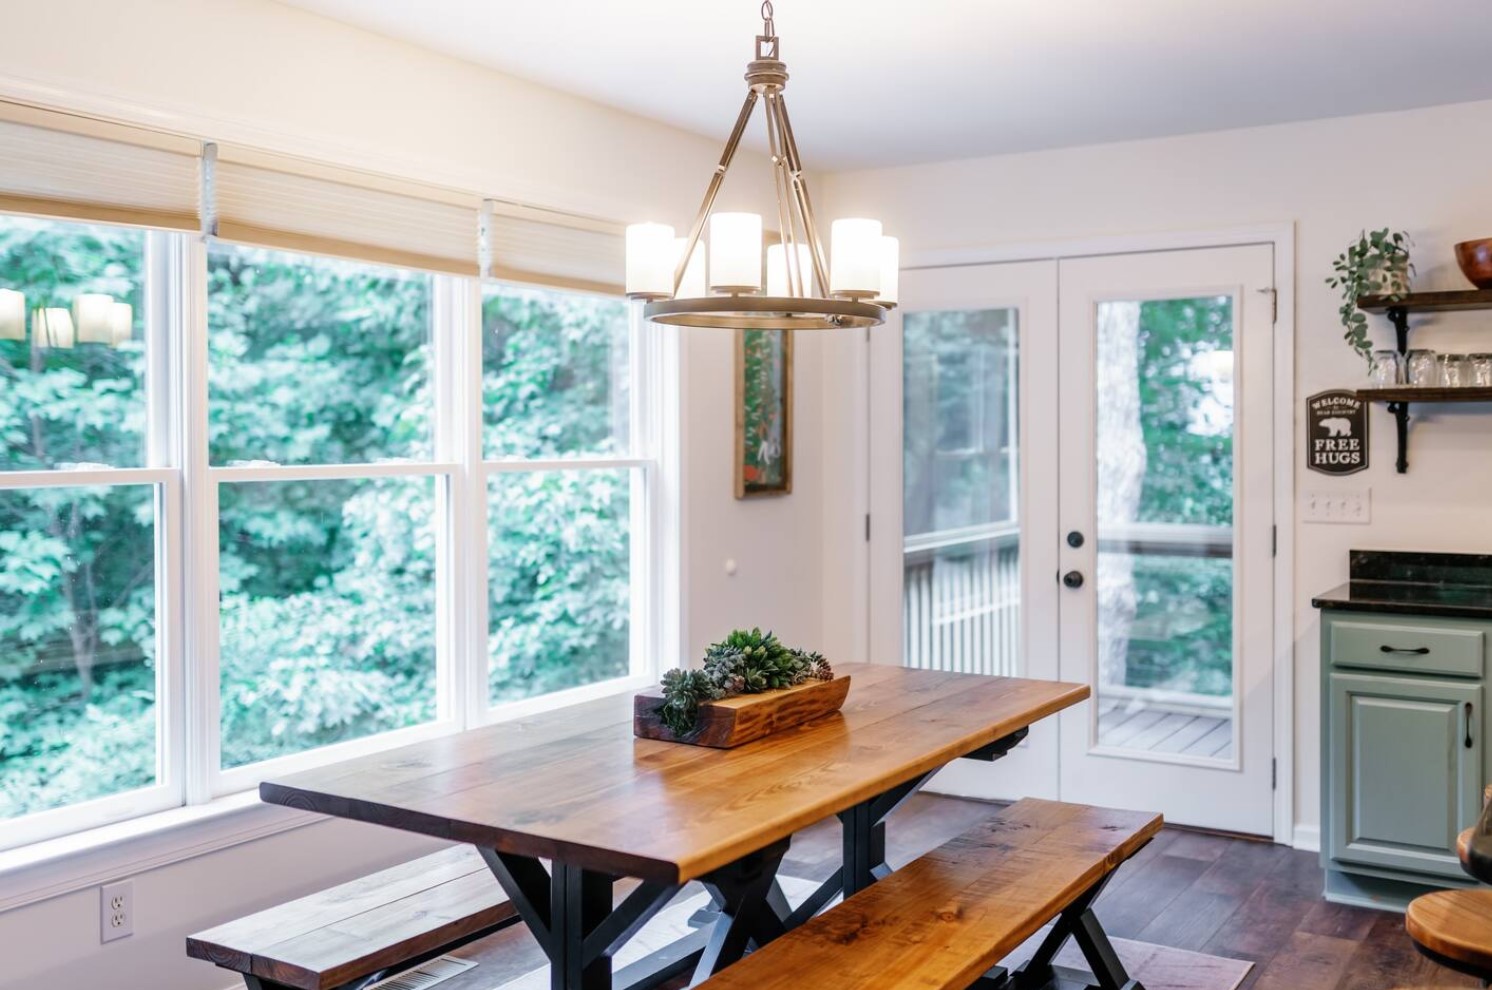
column 575, row 785
column 1456, row 924
column 745, row 718
column 358, row 928
column 948, row 917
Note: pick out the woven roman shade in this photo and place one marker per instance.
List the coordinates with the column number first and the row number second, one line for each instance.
column 544, row 247
column 288, row 203
column 76, row 168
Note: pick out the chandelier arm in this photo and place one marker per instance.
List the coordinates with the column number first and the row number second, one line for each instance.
column 781, row 189
column 800, row 189
column 713, row 189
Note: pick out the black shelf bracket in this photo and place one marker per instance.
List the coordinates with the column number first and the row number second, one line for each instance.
column 1399, row 317
column 1400, row 411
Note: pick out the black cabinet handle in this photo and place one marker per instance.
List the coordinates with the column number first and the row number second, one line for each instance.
column 1418, row 650
column 1468, row 724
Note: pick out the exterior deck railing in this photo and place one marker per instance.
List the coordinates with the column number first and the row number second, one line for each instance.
column 961, row 600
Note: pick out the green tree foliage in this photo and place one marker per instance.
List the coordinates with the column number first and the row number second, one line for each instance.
column 1182, row 636
column 327, row 587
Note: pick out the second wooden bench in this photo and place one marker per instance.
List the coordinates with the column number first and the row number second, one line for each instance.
column 945, row 920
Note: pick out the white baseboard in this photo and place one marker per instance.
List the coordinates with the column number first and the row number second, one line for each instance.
column 1307, row 837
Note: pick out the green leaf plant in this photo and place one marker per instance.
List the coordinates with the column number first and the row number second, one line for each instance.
column 1377, row 264
column 743, row 663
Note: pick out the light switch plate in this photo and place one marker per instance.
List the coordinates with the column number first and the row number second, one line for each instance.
column 1351, row 508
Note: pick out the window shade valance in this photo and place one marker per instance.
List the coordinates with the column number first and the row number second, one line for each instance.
column 76, row 168
column 546, row 247
column 279, row 202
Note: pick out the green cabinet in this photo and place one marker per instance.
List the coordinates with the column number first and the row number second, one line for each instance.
column 1403, row 730
column 1406, row 768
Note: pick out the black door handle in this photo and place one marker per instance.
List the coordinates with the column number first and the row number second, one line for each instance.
column 1073, row 579
column 1469, row 710
column 1418, row 650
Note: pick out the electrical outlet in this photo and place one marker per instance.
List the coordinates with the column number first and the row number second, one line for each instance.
column 1353, row 508
column 116, row 911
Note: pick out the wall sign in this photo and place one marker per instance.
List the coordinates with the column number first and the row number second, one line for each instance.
column 1336, row 432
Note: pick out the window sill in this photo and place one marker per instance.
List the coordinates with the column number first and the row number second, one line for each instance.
column 48, row 869
column 53, row 867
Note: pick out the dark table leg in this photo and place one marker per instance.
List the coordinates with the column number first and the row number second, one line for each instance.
column 569, row 911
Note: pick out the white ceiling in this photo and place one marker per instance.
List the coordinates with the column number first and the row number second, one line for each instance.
column 882, row 83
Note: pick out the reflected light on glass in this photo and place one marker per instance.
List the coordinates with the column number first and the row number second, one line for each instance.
column 12, row 315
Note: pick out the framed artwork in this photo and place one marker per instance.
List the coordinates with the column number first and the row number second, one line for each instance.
column 764, row 413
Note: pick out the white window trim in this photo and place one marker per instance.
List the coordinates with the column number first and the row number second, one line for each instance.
column 195, row 807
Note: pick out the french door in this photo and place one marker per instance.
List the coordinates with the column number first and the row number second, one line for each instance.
column 1086, row 493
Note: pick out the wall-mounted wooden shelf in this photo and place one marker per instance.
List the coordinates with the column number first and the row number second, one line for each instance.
column 1399, row 397
column 1429, row 302
column 1417, row 393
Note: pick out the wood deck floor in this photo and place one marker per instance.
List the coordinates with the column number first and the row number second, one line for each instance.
column 1157, row 731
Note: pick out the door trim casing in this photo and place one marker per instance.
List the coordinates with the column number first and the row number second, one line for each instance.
column 1281, row 236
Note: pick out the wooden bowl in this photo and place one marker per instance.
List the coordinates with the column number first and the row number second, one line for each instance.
column 1475, row 259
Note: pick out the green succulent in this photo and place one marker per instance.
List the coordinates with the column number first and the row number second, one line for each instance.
column 742, row 663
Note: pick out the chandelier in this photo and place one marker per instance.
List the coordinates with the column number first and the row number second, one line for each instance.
column 719, row 283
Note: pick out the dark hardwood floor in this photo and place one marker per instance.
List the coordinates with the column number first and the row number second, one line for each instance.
column 1189, row 890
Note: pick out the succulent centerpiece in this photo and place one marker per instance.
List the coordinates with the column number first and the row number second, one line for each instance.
column 741, row 665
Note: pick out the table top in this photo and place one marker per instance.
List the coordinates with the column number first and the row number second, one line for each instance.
column 575, row 785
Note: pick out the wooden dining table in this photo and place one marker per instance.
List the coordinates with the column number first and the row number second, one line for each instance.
column 574, row 789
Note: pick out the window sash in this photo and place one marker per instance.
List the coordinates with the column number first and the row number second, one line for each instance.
column 188, row 701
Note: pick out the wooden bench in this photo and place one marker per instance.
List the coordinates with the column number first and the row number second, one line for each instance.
column 946, row 919
column 361, row 931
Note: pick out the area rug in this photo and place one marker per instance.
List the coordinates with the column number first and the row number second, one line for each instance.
column 1157, row 967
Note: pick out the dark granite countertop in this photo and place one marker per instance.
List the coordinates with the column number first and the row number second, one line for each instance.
column 1443, row 584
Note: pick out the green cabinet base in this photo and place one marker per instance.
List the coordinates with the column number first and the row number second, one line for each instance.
column 1382, row 893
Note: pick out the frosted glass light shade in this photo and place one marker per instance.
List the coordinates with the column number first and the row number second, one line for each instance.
column 778, row 282
column 121, row 323
column 12, row 315
column 693, row 284
column 52, row 327
column 650, row 260
column 91, row 318
column 736, row 252
column 855, row 258
column 890, row 271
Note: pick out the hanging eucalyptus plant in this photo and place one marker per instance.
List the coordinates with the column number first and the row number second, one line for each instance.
column 1376, row 265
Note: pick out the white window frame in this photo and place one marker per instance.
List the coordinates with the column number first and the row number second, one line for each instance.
column 187, row 535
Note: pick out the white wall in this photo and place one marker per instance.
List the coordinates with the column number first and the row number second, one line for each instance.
column 1419, row 170
column 256, row 72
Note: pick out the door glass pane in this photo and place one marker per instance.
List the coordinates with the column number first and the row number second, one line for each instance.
column 1164, row 448
column 77, row 645
column 961, row 584
column 328, row 612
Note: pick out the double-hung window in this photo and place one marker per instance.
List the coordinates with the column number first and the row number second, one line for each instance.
column 338, row 475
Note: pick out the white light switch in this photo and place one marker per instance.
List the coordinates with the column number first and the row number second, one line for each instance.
column 1353, row 508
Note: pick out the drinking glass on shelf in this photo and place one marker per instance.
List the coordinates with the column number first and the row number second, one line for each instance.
column 1384, row 369
column 1453, row 371
column 1481, row 370
column 1423, row 370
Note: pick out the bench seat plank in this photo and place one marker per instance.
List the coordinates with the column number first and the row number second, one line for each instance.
column 381, row 920
column 947, row 918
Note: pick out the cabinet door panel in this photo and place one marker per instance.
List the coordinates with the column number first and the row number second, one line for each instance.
column 1404, row 781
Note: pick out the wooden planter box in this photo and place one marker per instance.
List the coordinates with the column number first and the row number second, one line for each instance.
column 744, row 718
